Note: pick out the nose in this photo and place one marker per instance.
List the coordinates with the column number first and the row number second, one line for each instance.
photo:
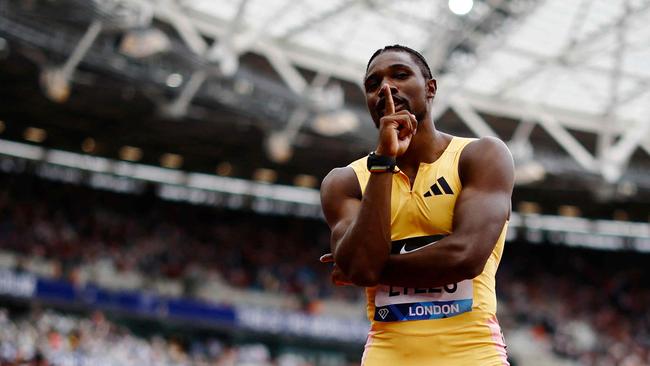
column 393, row 89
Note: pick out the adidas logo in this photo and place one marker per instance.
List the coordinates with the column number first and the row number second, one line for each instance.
column 435, row 188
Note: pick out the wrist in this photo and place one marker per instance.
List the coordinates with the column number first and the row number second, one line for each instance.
column 384, row 152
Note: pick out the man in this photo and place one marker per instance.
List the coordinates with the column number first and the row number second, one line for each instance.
column 421, row 223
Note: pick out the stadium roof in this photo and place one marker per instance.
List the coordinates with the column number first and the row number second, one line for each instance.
column 579, row 64
column 569, row 69
column 586, row 56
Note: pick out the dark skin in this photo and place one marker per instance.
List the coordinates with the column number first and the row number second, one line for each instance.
column 399, row 99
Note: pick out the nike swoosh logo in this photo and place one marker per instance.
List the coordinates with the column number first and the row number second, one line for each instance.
column 404, row 251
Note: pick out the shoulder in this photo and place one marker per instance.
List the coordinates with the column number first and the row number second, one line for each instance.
column 346, row 178
column 339, row 191
column 337, row 177
column 486, row 157
column 477, row 148
column 340, row 182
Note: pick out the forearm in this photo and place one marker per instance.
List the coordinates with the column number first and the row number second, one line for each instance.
column 446, row 262
column 459, row 256
column 363, row 249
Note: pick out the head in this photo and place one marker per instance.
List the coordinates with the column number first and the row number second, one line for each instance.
column 408, row 76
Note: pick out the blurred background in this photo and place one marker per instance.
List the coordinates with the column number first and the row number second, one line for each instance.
column 160, row 163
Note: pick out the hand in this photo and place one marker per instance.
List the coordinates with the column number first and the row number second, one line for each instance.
column 338, row 278
column 395, row 129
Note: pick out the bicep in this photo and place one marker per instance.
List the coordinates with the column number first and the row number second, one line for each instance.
column 483, row 205
column 481, row 213
column 341, row 201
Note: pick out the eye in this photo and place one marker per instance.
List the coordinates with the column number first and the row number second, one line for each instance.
column 401, row 75
column 371, row 84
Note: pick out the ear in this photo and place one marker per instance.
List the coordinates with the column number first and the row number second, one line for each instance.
column 432, row 87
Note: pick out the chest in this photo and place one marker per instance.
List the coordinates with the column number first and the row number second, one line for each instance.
column 427, row 208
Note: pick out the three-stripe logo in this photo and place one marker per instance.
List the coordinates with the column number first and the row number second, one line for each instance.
column 436, row 188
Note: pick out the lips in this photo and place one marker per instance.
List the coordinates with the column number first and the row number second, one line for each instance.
column 400, row 104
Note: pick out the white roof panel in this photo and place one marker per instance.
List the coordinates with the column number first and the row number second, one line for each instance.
column 560, row 53
column 575, row 49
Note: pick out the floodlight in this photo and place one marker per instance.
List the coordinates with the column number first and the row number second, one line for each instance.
column 461, row 7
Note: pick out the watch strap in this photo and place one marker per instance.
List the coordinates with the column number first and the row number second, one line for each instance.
column 381, row 164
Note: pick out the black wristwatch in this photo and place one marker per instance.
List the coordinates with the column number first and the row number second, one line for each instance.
column 381, row 163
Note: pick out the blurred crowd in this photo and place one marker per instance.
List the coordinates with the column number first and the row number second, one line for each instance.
column 43, row 338
column 589, row 306
column 84, row 235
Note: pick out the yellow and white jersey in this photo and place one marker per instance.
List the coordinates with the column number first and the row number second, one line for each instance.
column 451, row 325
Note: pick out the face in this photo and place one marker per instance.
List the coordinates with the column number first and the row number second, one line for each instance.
column 410, row 90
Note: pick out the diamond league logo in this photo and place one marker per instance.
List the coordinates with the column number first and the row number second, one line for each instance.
column 383, row 313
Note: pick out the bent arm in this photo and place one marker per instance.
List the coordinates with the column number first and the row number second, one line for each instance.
column 360, row 228
column 481, row 210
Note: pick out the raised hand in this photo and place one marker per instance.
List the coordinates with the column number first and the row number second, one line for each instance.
column 396, row 129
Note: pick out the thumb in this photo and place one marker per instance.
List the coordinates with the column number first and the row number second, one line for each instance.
column 327, row 258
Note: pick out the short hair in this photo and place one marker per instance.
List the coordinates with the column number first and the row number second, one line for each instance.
column 417, row 57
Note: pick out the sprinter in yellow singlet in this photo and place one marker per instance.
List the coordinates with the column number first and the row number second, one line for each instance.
column 421, row 223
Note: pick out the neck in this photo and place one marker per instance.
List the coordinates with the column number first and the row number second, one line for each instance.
column 426, row 146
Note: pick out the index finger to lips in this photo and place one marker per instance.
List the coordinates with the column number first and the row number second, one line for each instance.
column 390, row 105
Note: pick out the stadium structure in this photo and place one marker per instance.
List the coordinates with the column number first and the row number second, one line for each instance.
column 160, row 163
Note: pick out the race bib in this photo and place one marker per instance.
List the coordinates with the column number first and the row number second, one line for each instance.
column 393, row 303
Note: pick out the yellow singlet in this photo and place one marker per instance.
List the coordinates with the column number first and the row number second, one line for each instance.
column 451, row 325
